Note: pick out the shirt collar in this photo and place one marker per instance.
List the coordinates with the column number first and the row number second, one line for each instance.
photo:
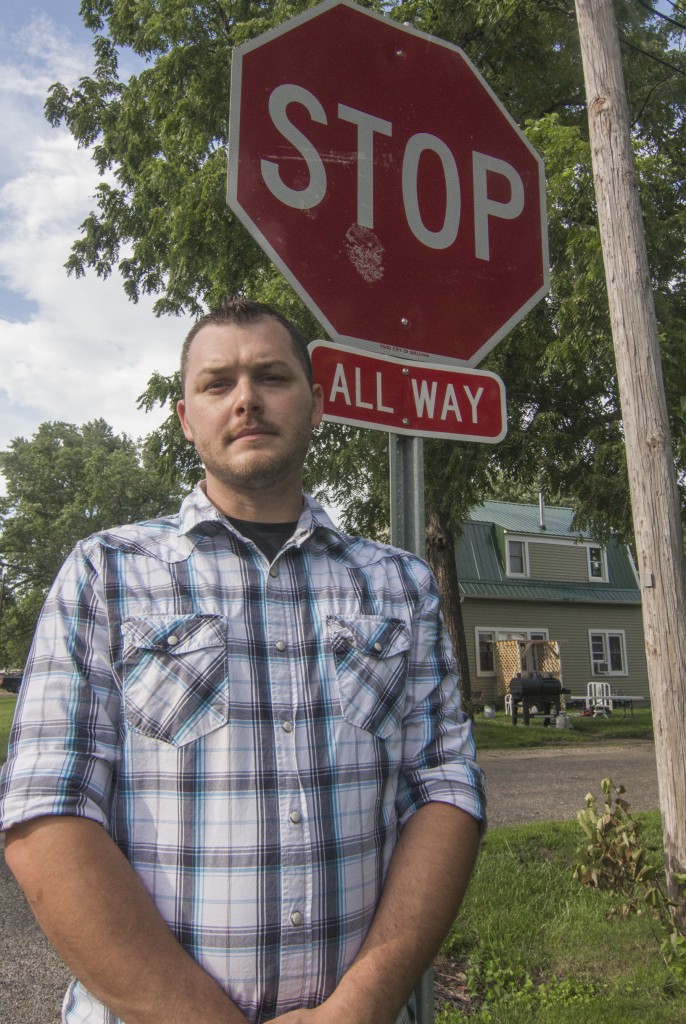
column 197, row 510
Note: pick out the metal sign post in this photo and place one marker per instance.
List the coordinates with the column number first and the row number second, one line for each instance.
column 406, row 464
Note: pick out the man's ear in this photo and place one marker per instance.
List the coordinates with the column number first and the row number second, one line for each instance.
column 317, row 404
column 185, row 425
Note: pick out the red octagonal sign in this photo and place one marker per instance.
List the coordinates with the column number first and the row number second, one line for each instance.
column 386, row 181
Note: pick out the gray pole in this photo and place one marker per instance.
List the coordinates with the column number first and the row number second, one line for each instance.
column 406, row 460
column 406, row 463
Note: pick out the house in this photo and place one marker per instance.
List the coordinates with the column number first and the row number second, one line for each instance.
column 526, row 575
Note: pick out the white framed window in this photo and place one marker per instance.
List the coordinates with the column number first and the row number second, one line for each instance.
column 517, row 558
column 608, row 652
column 597, row 564
column 485, row 652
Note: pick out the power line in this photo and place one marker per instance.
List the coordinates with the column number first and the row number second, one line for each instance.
column 652, row 56
column 661, row 14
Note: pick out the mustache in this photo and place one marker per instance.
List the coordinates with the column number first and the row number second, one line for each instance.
column 255, row 423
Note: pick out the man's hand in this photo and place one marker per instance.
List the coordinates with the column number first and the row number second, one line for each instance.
column 98, row 915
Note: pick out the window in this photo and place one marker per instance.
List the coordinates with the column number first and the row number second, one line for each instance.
column 597, row 564
column 608, row 653
column 516, row 558
column 485, row 653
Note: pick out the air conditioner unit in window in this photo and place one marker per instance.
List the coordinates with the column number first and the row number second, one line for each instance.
column 601, row 668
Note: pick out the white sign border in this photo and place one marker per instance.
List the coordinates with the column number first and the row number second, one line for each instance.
column 407, row 431
column 232, row 188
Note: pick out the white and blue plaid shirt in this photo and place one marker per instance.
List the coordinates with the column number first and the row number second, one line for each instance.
column 250, row 735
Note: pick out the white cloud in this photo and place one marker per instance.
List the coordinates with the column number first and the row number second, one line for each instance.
column 84, row 350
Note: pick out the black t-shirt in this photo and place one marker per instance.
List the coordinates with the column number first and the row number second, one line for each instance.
column 268, row 537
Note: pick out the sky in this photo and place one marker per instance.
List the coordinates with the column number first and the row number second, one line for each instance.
column 70, row 349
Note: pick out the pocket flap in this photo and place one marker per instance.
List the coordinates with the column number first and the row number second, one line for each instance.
column 374, row 635
column 179, row 635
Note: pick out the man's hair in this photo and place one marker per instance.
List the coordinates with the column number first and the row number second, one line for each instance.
column 240, row 312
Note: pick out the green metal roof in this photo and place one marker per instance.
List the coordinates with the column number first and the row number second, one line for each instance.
column 526, row 519
column 526, row 590
column 481, row 571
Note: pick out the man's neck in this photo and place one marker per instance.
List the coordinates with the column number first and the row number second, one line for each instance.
column 255, row 507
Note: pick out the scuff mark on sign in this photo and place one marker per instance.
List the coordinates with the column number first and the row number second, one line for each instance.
column 365, row 252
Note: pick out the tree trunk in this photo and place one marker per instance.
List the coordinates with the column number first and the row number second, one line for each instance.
column 652, row 476
column 440, row 554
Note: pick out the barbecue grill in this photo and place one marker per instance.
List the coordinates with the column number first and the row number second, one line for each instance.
column 542, row 692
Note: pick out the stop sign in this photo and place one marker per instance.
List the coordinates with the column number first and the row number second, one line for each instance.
column 386, row 181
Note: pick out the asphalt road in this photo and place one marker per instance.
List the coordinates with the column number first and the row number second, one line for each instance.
column 522, row 786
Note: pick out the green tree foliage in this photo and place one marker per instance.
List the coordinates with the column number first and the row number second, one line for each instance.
column 159, row 141
column 63, row 484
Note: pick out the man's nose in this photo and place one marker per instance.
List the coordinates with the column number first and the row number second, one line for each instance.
column 247, row 396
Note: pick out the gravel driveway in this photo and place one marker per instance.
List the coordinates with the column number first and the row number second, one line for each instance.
column 523, row 786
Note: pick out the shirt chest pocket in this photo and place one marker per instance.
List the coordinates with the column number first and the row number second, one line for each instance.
column 370, row 653
column 174, row 671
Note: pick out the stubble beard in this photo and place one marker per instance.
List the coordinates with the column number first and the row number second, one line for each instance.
column 256, row 471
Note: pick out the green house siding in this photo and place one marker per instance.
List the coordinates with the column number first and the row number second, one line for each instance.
column 567, row 562
column 568, row 623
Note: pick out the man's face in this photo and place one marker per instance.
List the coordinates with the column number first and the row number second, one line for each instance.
column 248, row 408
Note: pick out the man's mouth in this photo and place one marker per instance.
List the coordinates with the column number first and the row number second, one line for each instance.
column 248, row 432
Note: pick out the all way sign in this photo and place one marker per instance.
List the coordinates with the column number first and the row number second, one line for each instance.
column 421, row 399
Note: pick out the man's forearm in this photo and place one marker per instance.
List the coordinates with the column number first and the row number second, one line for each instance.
column 97, row 914
column 426, row 881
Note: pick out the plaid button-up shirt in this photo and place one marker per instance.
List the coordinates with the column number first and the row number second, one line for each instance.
column 251, row 735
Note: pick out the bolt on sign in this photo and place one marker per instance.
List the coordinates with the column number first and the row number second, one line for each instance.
column 384, row 178
column 416, row 398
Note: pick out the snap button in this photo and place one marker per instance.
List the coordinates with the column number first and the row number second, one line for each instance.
column 296, row 817
column 296, row 918
column 287, row 726
column 172, row 640
column 280, row 645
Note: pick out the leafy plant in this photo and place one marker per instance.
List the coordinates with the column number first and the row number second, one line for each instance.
column 616, row 860
column 497, row 985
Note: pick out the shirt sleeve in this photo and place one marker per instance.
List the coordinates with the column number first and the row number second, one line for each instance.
column 439, row 754
column 63, row 744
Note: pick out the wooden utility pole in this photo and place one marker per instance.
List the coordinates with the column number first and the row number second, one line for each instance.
column 652, row 475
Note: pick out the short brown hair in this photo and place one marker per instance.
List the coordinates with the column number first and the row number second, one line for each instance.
column 246, row 311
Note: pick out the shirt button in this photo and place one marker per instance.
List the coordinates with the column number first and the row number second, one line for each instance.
column 296, row 918
column 273, row 571
column 280, row 645
column 287, row 726
column 378, row 646
column 296, row 817
column 172, row 640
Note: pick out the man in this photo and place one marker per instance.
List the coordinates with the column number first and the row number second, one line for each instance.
column 239, row 786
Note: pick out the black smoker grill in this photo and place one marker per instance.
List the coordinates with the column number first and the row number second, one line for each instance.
column 541, row 692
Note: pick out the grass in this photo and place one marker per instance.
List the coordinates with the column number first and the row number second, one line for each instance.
column 532, row 946
column 499, row 734
column 6, row 712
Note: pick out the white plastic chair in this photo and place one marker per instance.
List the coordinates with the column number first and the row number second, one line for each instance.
column 599, row 697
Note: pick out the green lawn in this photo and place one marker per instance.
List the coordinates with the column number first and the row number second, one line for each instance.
column 6, row 711
column 500, row 734
column 532, row 946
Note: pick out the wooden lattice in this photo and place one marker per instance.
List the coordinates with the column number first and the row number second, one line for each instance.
column 510, row 655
